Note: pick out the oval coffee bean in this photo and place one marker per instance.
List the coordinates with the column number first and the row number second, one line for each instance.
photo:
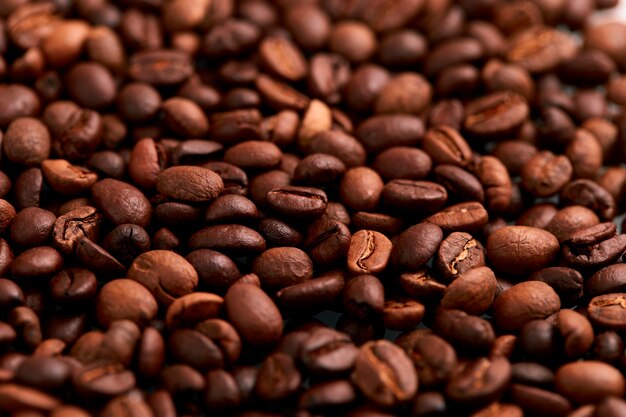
column 369, row 252
column 189, row 183
column 523, row 303
column 520, row 250
column 281, row 267
column 589, row 381
column 258, row 320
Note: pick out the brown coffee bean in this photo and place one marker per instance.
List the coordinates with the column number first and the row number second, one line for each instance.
column 361, row 188
column 36, row 262
column 407, row 92
column 545, row 174
column 416, row 245
column 499, row 113
column 26, row 141
column 160, row 67
column 369, row 252
column 384, row 373
column 278, row 378
column 385, row 131
column 17, row 101
column 589, row 194
column 283, row 58
column 297, row 202
column 16, row 398
column 258, row 321
column 525, row 302
column 459, row 253
column 184, row 117
column 570, row 219
column 433, row 357
column 363, row 296
column 588, row 381
column 103, row 380
column 402, row 313
column 464, row 331
column 594, row 246
column 138, row 303
column 496, row 183
column 189, row 183
column 576, row 332
column 467, row 217
column 91, row 85
column 472, row 291
column 480, row 381
column 66, row 178
column 121, row 203
column 461, row 185
column 519, row 250
column 73, row 226
column 540, row 49
column 567, row 282
column 284, row 266
column 147, row 160
column 412, row 196
column 166, row 274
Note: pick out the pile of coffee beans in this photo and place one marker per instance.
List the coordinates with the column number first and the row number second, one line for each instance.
column 307, row 208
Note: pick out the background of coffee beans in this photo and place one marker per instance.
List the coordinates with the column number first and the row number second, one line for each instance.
column 360, row 208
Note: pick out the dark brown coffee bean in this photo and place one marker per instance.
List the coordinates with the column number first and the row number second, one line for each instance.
column 121, row 203
column 297, row 202
column 17, row 101
column 36, row 262
column 363, row 296
column 385, row 131
column 496, row 183
column 480, row 381
column 588, row 381
column 361, row 188
column 138, row 303
column 126, row 242
column 570, row 219
column 545, row 174
column 519, row 250
column 460, row 184
column 284, row 266
column 147, row 160
column 73, row 226
column 576, row 332
column 472, row 291
column 496, row 114
column 525, row 302
column 607, row 280
column 415, row 246
column 278, row 378
column 233, row 239
column 192, row 308
column 160, row 67
column 103, row 380
column 407, row 92
column 384, row 373
column 32, row 226
column 594, row 246
column 540, row 49
column 26, row 141
column 538, row 401
column 589, row 194
column 402, row 313
column 459, row 253
column 422, row 285
column 369, row 252
column 79, row 136
column 319, row 169
column 567, row 282
column 408, row 195
column 166, row 274
column 93, row 78
column 73, row 285
column 258, row 321
column 467, row 217
column 314, row 294
column 280, row 96
column 380, row 222
column 464, row 331
column 189, row 183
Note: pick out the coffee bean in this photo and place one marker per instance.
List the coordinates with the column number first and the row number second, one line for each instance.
column 464, row 217
column 567, row 282
column 282, row 267
column 480, row 381
column 297, row 202
column 73, row 226
column 166, row 274
column 459, row 253
column 433, row 357
column 385, row 131
column 408, row 195
column 278, row 378
column 384, row 373
column 361, row 188
column 599, row 243
column 32, row 226
column 540, row 49
column 369, row 252
column 515, row 307
column 461, row 329
column 472, row 291
column 363, row 296
column 187, row 183
column 139, row 305
column 520, row 250
column 121, row 203
column 588, row 381
column 408, row 254
column 160, row 67
column 576, row 332
column 36, row 262
column 545, row 174
column 26, row 141
column 234, row 239
column 258, row 321
column 496, row 114
column 103, row 380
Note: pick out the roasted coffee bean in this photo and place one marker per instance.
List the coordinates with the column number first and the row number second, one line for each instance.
column 588, row 381
column 166, row 274
column 411, row 196
column 416, row 245
column 138, row 303
column 458, row 253
column 121, row 203
column 31, row 226
column 464, row 217
column 594, row 246
column 258, row 321
column 589, row 194
column 230, row 238
column 570, row 219
column 73, row 226
column 472, row 291
column 384, row 373
column 520, row 250
column 160, row 67
column 496, row 114
column 297, row 202
column 103, row 380
column 282, row 267
column 576, row 332
column 523, row 303
column 462, row 329
column 434, row 359
column 369, row 252
column 363, row 296
column 566, row 282
column 278, row 378
column 545, row 174
column 480, row 381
